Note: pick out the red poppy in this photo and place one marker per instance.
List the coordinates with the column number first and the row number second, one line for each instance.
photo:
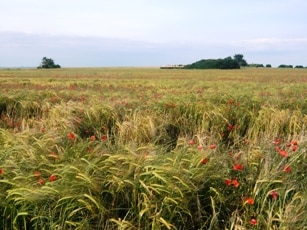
column 294, row 142
column 228, row 182
column 274, row 195
column 1, row 171
column 204, row 161
column 249, row 201
column 237, row 167
column 283, row 153
column 104, row 137
column 199, row 147
column 277, row 141
column 37, row 174
column 92, row 138
column 52, row 178
column 41, row 181
column 229, row 127
column 294, row 148
column 71, row 136
column 235, row 183
column 287, row 169
column 213, row 146
column 253, row 221
column 191, row 142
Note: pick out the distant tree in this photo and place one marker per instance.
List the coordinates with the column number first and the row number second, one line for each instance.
column 48, row 63
column 240, row 60
column 256, row 65
column 299, row 67
column 229, row 63
column 268, row 66
column 285, row 66
column 226, row 63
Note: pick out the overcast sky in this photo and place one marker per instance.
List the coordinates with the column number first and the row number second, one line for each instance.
column 80, row 33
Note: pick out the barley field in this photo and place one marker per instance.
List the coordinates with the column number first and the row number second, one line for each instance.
column 145, row 148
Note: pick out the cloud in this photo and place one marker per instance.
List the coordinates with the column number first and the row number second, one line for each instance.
column 261, row 44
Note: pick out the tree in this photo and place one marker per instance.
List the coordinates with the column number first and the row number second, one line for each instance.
column 240, row 60
column 226, row 63
column 285, row 66
column 268, row 66
column 48, row 63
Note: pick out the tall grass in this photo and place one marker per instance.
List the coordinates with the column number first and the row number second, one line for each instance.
column 151, row 149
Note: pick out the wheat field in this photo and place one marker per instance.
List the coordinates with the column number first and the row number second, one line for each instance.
column 145, row 148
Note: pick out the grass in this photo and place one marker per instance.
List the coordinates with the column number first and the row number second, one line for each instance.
column 139, row 148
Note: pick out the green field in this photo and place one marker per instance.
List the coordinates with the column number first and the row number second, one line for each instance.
column 144, row 148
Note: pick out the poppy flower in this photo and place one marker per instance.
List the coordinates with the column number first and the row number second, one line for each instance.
column 229, row 127
column 237, row 167
column 52, row 178
column 71, row 136
column 287, row 169
column 228, row 182
column 204, row 161
column 283, row 153
column 294, row 148
column 294, row 142
column 199, row 147
column 41, row 181
column 1, row 171
column 235, row 183
column 250, row 201
column 277, row 141
column 274, row 195
column 191, row 142
column 92, row 138
column 253, row 221
column 104, row 137
column 213, row 146
column 37, row 174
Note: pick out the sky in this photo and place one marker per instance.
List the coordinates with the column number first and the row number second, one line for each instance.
column 101, row 33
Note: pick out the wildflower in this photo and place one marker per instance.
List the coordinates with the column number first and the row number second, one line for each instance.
column 52, row 178
column 283, row 153
column 71, row 136
column 213, row 146
column 41, row 181
column 229, row 127
column 199, row 147
column 104, row 137
column 191, row 142
column 287, row 169
column 253, row 221
column 92, row 138
column 277, row 141
column 249, row 201
column 235, row 183
column 294, row 148
column 228, row 182
column 37, row 174
column 294, row 142
column 204, row 161
column 237, row 167
column 1, row 171
column 274, row 195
